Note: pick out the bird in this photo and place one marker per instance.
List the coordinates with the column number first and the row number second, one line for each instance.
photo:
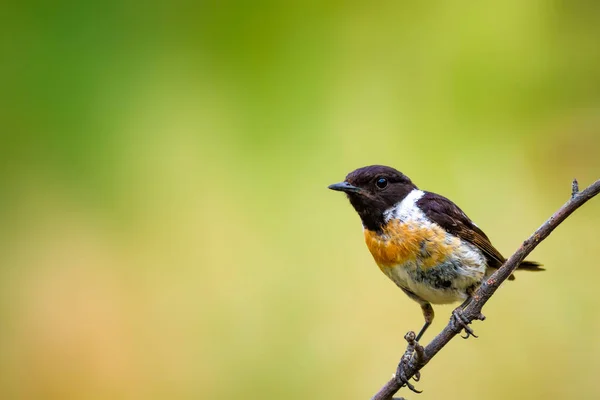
column 422, row 241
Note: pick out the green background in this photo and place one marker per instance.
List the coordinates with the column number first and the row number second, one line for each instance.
column 166, row 231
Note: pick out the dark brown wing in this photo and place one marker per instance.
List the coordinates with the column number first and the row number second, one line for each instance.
column 454, row 221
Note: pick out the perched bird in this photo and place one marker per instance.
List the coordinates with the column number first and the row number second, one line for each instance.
column 422, row 241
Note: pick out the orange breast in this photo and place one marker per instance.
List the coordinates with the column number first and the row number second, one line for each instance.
column 402, row 242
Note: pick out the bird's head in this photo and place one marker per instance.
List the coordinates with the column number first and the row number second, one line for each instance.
column 372, row 190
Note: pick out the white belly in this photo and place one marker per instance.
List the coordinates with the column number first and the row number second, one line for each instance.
column 404, row 279
column 445, row 283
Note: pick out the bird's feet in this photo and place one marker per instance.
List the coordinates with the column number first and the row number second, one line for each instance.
column 459, row 320
column 403, row 380
column 412, row 358
column 401, row 376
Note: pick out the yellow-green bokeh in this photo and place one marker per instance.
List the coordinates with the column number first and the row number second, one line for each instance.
column 166, row 228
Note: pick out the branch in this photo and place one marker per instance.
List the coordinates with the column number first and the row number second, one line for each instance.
column 409, row 368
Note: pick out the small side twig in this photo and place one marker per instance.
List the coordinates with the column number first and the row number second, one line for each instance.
column 472, row 311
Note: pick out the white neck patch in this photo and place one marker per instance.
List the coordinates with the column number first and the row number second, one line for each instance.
column 407, row 208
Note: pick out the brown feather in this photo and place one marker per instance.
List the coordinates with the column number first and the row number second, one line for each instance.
column 451, row 218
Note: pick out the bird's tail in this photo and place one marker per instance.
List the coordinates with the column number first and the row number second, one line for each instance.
column 528, row 266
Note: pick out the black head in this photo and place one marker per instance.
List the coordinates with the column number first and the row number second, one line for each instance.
column 374, row 189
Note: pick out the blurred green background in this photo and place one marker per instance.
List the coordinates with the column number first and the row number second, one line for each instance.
column 166, row 228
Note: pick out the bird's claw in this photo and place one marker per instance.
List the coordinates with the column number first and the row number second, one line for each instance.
column 404, row 380
column 459, row 320
column 413, row 354
column 417, row 376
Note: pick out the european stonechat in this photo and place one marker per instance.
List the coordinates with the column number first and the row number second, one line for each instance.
column 422, row 241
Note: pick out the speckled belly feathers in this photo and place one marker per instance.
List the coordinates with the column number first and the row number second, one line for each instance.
column 423, row 258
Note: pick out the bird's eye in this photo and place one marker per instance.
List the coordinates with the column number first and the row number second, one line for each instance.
column 381, row 183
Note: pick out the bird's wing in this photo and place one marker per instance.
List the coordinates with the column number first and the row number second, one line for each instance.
column 454, row 221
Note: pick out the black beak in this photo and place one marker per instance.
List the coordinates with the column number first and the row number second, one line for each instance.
column 344, row 187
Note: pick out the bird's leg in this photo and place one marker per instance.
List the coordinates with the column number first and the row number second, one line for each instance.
column 425, row 307
column 428, row 314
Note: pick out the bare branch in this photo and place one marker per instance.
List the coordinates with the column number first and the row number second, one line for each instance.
column 472, row 310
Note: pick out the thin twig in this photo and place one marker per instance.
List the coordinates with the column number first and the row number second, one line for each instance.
column 472, row 310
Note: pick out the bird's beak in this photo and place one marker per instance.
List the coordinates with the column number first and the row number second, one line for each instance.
column 344, row 187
